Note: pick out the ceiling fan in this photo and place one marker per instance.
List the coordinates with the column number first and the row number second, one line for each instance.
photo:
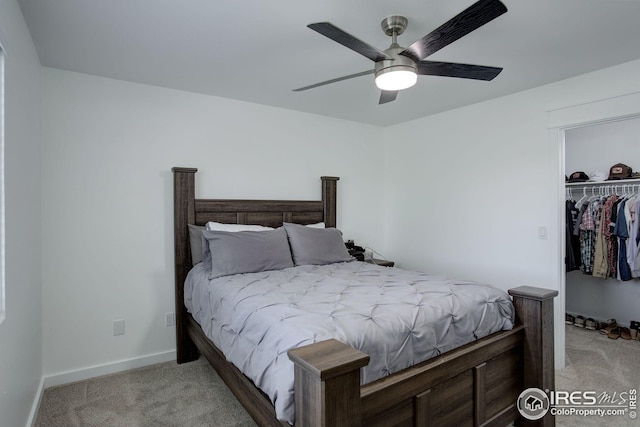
column 397, row 68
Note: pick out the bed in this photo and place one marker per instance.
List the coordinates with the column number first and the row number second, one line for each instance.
column 474, row 384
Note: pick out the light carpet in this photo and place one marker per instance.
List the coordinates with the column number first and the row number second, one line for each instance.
column 597, row 363
column 161, row 395
column 192, row 394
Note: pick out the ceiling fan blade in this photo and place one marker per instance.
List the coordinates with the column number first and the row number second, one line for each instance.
column 338, row 79
column 452, row 69
column 462, row 24
column 387, row 96
column 336, row 34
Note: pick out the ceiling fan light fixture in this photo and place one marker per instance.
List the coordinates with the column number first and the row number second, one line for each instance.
column 396, row 78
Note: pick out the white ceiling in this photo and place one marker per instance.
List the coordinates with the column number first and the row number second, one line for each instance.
column 258, row 51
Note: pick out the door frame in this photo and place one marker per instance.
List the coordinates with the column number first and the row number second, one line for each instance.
column 560, row 120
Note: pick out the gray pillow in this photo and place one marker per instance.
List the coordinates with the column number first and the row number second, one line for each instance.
column 247, row 251
column 195, row 239
column 316, row 245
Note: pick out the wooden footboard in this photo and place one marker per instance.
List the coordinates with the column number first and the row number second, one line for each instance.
column 468, row 386
column 475, row 385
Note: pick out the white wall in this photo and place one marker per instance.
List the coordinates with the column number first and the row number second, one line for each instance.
column 467, row 190
column 108, row 149
column 600, row 146
column 21, row 331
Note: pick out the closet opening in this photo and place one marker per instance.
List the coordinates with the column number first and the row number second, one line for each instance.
column 601, row 261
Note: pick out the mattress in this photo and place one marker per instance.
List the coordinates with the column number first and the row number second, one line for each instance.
column 399, row 318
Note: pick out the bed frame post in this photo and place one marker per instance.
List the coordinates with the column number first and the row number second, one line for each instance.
column 534, row 310
column 329, row 190
column 184, row 214
column 327, row 384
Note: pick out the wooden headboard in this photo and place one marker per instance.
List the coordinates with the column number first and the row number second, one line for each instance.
column 272, row 213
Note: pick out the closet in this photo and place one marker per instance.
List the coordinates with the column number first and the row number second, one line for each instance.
column 591, row 149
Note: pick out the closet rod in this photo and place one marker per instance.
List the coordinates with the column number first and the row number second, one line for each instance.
column 603, row 189
column 603, row 183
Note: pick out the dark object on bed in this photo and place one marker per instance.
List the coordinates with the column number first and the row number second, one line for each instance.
column 476, row 384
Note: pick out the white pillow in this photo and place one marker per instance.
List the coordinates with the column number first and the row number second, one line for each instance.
column 218, row 226
column 316, row 225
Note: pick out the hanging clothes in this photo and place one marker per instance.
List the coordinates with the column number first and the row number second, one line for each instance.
column 622, row 232
column 572, row 239
column 600, row 258
column 587, row 238
column 612, row 239
column 603, row 233
column 634, row 239
column 603, row 264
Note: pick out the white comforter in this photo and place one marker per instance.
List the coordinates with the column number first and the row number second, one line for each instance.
column 398, row 318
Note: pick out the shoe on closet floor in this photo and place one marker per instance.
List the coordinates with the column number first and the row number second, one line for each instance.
column 634, row 329
column 569, row 319
column 590, row 324
column 625, row 334
column 579, row 322
column 608, row 326
column 614, row 333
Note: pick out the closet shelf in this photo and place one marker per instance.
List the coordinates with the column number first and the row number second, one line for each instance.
column 603, row 183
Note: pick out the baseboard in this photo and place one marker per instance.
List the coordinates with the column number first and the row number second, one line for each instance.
column 109, row 368
column 36, row 404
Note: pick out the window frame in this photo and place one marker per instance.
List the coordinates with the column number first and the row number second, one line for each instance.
column 3, row 299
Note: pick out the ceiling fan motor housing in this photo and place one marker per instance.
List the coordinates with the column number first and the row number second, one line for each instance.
column 396, row 63
column 394, row 26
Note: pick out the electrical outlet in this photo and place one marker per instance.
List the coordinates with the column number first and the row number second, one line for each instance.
column 118, row 327
column 169, row 319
